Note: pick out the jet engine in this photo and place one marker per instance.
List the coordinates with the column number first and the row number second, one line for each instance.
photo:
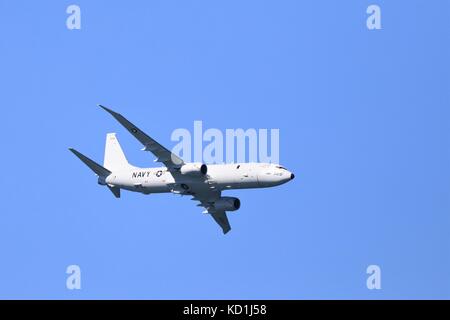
column 227, row 204
column 194, row 169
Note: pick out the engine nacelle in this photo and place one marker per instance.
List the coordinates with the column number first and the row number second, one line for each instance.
column 194, row 169
column 227, row 204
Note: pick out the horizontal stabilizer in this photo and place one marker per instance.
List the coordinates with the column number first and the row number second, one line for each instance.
column 98, row 169
column 115, row 191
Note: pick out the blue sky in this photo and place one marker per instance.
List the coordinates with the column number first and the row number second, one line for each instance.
column 363, row 118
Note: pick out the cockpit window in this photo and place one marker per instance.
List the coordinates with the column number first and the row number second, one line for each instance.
column 238, row 166
column 280, row 167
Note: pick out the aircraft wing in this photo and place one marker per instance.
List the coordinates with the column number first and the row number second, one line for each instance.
column 221, row 218
column 206, row 199
column 169, row 159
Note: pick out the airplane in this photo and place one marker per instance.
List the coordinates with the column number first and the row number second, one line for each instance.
column 205, row 183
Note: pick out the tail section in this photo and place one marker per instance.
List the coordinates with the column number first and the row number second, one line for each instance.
column 98, row 169
column 114, row 157
column 115, row 190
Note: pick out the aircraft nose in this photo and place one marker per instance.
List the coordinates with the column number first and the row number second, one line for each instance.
column 292, row 176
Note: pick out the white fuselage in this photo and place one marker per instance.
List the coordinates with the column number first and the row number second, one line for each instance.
column 219, row 177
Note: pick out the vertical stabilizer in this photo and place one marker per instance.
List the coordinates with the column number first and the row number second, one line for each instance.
column 115, row 159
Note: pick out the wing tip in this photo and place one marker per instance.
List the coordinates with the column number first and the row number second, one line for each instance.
column 105, row 108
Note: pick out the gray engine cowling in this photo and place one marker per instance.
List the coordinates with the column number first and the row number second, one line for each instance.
column 194, row 169
column 227, row 204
